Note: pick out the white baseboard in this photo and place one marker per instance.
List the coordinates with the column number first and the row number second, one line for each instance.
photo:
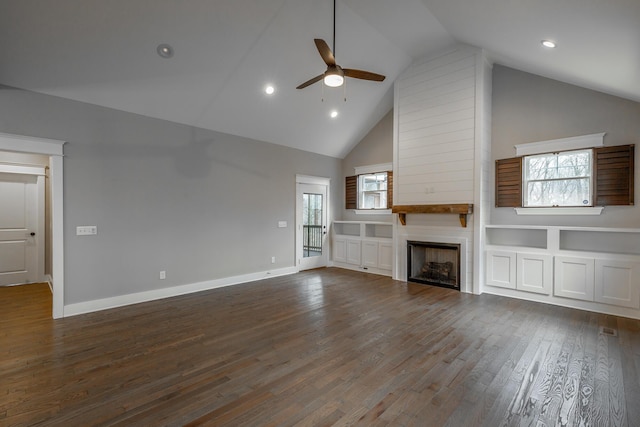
column 49, row 280
column 122, row 300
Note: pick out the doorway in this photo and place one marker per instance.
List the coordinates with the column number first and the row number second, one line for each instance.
column 22, row 228
column 53, row 149
column 312, row 222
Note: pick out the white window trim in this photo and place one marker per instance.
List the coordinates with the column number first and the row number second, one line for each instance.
column 365, row 170
column 554, row 145
column 525, row 173
column 372, row 211
column 557, row 210
column 563, row 144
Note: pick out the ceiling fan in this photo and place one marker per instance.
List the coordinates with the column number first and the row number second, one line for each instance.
column 335, row 74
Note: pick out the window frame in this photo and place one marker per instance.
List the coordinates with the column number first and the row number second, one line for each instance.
column 362, row 192
column 353, row 193
column 613, row 176
column 526, row 179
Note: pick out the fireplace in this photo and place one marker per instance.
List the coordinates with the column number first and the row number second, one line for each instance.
column 434, row 263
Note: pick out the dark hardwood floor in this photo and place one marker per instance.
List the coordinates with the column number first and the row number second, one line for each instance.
column 320, row 348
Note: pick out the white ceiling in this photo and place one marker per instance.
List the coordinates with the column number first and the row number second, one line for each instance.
column 104, row 52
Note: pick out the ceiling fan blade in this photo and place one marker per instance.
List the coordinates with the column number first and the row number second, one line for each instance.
column 364, row 75
column 311, row 81
column 325, row 52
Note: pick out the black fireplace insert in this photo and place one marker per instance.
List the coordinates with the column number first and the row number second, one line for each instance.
column 434, row 263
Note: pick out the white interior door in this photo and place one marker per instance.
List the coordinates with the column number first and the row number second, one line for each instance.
column 21, row 228
column 311, row 225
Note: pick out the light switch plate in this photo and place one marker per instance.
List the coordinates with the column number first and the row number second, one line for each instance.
column 86, row 230
column 282, row 224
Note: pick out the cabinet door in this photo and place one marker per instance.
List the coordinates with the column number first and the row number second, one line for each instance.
column 340, row 249
column 385, row 256
column 573, row 278
column 353, row 251
column 534, row 273
column 369, row 253
column 617, row 283
column 501, row 269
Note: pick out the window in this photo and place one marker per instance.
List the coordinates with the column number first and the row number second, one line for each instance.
column 602, row 176
column 558, row 179
column 372, row 191
column 369, row 191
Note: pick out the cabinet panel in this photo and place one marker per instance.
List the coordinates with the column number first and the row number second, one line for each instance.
column 369, row 254
column 340, row 249
column 353, row 251
column 573, row 278
column 534, row 273
column 501, row 269
column 617, row 283
column 385, row 256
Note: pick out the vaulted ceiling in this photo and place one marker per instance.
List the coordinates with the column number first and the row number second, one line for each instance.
column 226, row 51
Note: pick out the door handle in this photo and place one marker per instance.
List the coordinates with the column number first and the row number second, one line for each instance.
column 32, row 234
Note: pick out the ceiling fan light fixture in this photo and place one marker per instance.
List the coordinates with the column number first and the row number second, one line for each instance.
column 333, row 80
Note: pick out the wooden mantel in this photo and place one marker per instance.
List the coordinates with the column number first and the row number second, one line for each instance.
column 462, row 209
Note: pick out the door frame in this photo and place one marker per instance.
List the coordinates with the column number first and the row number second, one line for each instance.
column 312, row 180
column 39, row 173
column 54, row 149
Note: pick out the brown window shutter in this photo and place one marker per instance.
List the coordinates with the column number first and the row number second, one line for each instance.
column 613, row 175
column 351, row 192
column 389, row 189
column 509, row 182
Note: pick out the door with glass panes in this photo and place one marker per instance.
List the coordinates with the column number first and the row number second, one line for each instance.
column 311, row 226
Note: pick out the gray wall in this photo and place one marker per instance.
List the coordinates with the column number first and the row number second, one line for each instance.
column 199, row 204
column 530, row 108
column 375, row 148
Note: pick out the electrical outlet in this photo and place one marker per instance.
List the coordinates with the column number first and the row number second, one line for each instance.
column 163, row 275
column 273, row 260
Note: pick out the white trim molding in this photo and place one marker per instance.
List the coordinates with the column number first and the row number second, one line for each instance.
column 381, row 167
column 54, row 149
column 308, row 179
column 595, row 210
column 156, row 294
column 372, row 211
column 31, row 144
column 22, row 170
column 563, row 144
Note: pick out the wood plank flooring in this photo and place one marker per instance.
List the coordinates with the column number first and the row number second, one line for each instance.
column 327, row 347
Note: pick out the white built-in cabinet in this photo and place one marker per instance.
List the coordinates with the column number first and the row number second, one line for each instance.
column 617, row 282
column 583, row 267
column 534, row 273
column 574, row 277
column 363, row 245
column 529, row 272
column 501, row 269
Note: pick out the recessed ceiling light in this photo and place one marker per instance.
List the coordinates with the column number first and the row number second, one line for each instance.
column 548, row 43
column 333, row 114
column 164, row 50
column 269, row 90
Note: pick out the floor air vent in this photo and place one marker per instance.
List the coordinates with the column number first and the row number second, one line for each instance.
column 608, row 331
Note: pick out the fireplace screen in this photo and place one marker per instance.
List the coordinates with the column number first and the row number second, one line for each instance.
column 434, row 263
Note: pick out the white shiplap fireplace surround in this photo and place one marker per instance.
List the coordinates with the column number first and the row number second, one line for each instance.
column 442, row 155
